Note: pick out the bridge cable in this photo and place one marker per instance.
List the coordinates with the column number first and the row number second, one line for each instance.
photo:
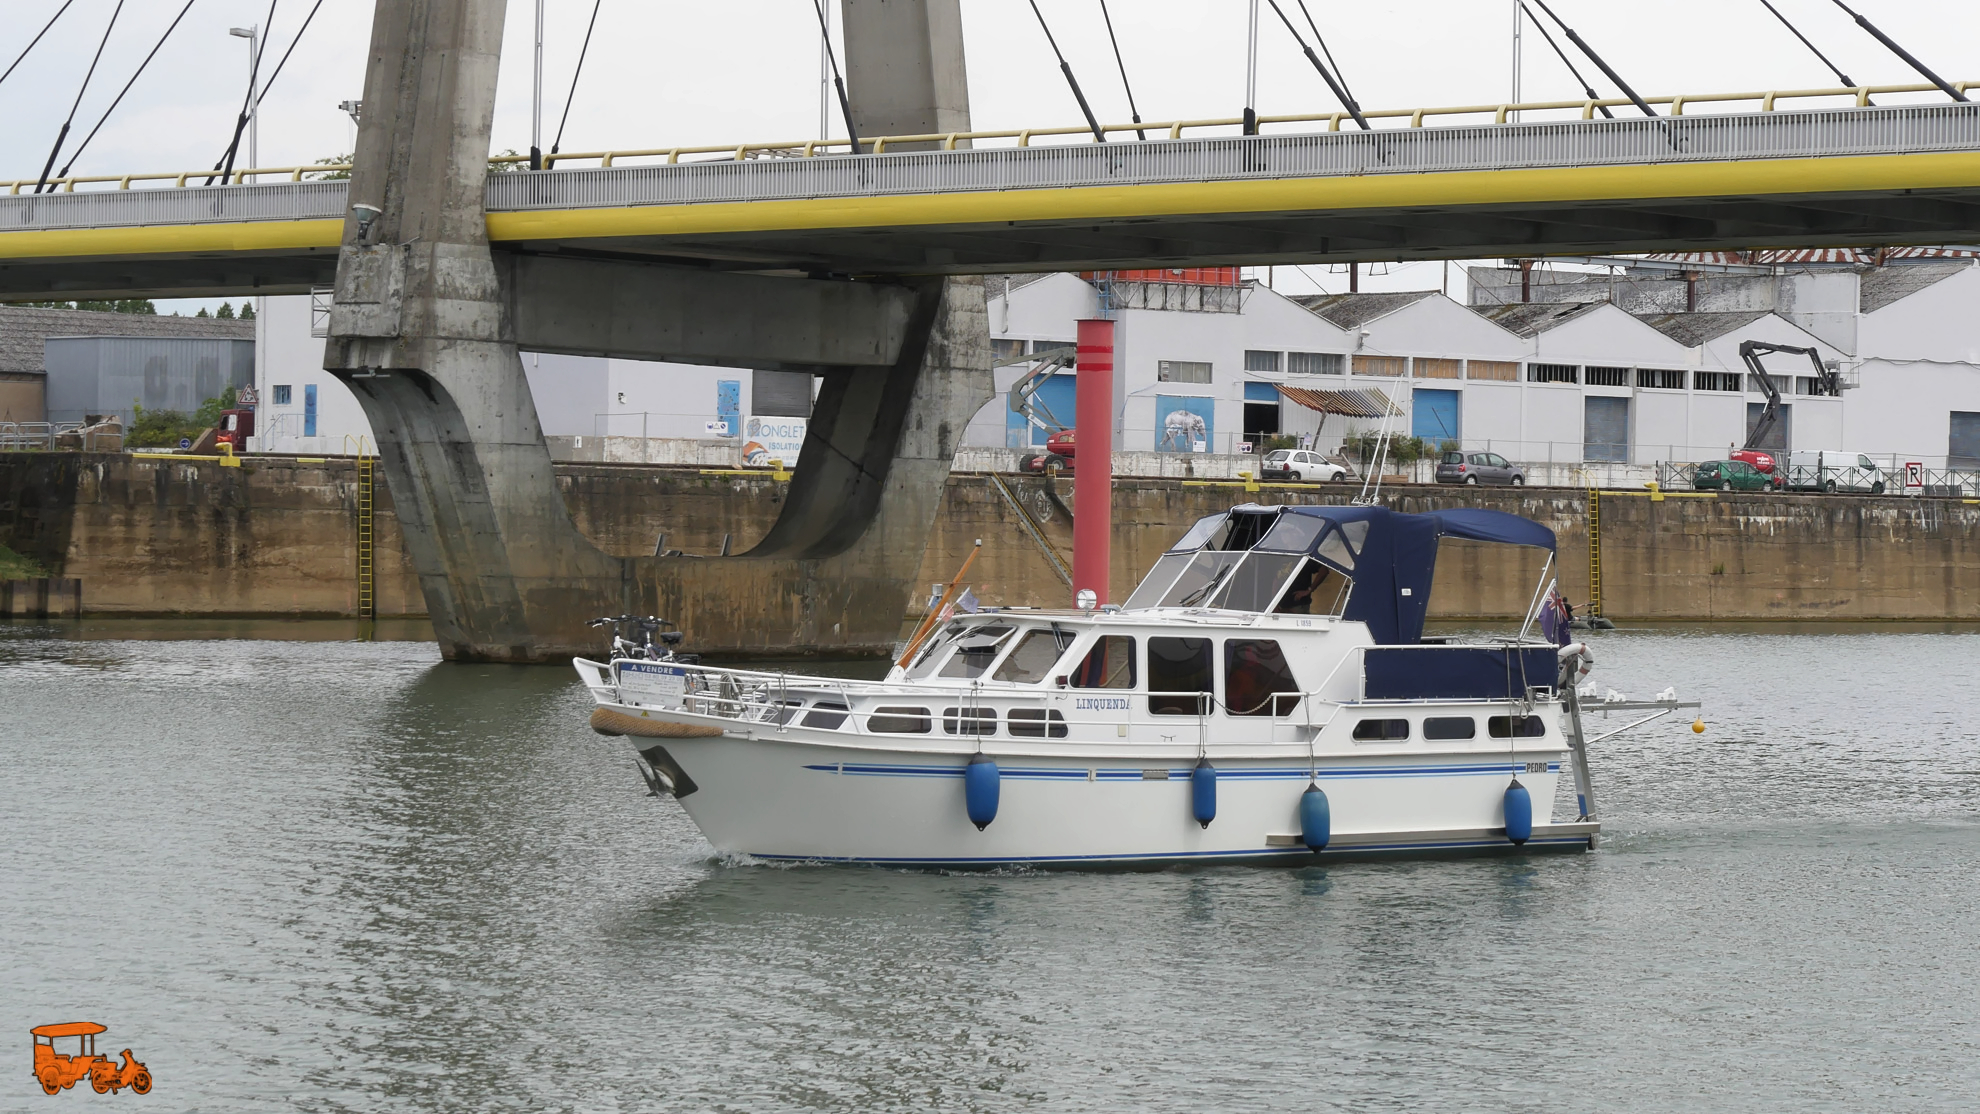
column 1566, row 61
column 64, row 133
column 1901, row 52
column 226, row 160
column 839, row 83
column 1132, row 110
column 1066, row 68
column 84, row 145
column 1615, row 77
column 1338, row 72
column 1833, row 68
column 37, row 39
column 575, row 74
column 1347, row 102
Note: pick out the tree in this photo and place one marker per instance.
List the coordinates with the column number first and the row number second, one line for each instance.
column 117, row 305
column 247, row 311
column 225, row 312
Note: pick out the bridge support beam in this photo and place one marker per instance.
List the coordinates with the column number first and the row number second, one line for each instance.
column 425, row 333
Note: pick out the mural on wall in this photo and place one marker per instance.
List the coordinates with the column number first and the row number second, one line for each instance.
column 1184, row 423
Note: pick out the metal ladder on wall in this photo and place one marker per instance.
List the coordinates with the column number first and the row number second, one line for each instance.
column 367, row 598
column 1594, row 553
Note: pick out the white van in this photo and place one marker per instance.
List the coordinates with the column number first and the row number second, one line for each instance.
column 1831, row 470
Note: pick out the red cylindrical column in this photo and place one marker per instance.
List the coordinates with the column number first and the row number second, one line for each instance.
column 1093, row 459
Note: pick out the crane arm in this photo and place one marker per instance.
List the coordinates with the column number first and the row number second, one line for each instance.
column 1827, row 382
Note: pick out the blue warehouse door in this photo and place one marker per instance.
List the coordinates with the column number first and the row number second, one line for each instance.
column 1054, row 401
column 728, row 405
column 1434, row 416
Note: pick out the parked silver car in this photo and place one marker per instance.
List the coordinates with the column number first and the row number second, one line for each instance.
column 1299, row 464
column 1478, row 468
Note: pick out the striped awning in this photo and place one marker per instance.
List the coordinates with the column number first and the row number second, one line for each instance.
column 1351, row 404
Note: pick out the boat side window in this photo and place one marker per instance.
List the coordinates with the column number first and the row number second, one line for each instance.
column 968, row 721
column 1334, row 548
column 975, row 650
column 781, row 712
column 1036, row 723
column 825, row 715
column 1203, row 577
column 1208, row 531
column 898, row 721
column 933, row 650
column 1180, row 668
column 1309, row 593
column 1450, row 727
column 1032, row 659
column 1256, row 583
column 1356, row 533
column 1293, row 533
column 1156, row 584
column 1257, row 679
column 1516, row 727
column 1108, row 665
column 1381, row 730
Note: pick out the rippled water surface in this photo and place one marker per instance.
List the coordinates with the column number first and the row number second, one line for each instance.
column 339, row 876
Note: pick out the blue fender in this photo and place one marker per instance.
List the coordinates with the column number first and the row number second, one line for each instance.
column 1203, row 792
column 1519, row 813
column 1316, row 819
column 981, row 784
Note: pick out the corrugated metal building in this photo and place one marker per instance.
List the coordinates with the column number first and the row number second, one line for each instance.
column 24, row 333
column 112, row 375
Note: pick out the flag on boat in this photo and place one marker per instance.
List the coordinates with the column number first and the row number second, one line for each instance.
column 966, row 603
column 1556, row 617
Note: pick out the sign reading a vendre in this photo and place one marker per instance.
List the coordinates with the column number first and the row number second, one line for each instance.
column 768, row 439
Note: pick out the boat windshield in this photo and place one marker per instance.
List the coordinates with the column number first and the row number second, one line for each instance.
column 937, row 648
column 1256, row 583
column 975, row 650
column 1207, row 571
column 1208, row 531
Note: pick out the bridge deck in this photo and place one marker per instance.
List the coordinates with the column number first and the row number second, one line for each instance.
column 1853, row 176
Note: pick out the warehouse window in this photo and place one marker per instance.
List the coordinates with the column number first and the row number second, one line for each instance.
column 1660, row 378
column 1004, row 348
column 1437, row 369
column 1552, row 373
column 1182, row 371
column 1380, row 365
column 282, row 395
column 1261, row 361
column 1316, row 363
column 1716, row 381
column 1963, row 447
column 1608, row 377
column 1499, row 371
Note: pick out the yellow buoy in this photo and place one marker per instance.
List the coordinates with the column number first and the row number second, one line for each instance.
column 1698, row 726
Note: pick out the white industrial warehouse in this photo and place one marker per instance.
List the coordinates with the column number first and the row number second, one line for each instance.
column 1625, row 365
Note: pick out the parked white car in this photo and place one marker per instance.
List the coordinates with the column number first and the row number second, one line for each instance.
column 1832, row 470
column 1300, row 464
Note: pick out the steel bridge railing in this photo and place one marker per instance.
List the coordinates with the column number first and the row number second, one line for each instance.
column 1504, row 114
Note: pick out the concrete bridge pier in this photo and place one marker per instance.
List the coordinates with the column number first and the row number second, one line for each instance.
column 426, row 330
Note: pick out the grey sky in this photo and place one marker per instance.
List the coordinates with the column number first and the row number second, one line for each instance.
column 666, row 72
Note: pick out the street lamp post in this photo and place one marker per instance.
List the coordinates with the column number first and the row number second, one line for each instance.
column 252, row 33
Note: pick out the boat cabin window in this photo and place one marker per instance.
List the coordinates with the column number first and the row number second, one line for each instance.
column 1257, row 680
column 1108, row 665
column 975, row 650
column 934, row 649
column 1334, row 548
column 826, row 715
column 1314, row 590
column 1204, row 576
column 1031, row 661
column 969, row 721
column 898, row 721
column 1208, row 531
column 1257, row 581
column 1156, row 584
column 1036, row 723
column 1294, row 533
column 1179, row 668
column 1516, row 727
column 1381, row 730
column 1450, row 727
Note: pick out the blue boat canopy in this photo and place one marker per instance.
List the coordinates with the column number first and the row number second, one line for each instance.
column 1281, row 559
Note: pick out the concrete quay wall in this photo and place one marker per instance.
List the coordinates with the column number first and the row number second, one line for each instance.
column 278, row 537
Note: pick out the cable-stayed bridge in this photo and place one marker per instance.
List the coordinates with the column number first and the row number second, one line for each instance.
column 853, row 261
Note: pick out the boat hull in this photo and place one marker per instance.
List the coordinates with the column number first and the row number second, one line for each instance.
column 789, row 800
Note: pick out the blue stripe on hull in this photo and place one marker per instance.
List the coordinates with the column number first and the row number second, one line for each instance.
column 1555, row 843
column 1238, row 773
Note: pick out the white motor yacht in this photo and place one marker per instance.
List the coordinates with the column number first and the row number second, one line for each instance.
column 1265, row 695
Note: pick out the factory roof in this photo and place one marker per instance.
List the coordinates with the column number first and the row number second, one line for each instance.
column 1353, row 310
column 1530, row 319
column 1694, row 329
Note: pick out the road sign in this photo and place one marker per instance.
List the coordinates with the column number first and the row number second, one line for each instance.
column 246, row 397
column 185, row 442
column 1914, row 477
